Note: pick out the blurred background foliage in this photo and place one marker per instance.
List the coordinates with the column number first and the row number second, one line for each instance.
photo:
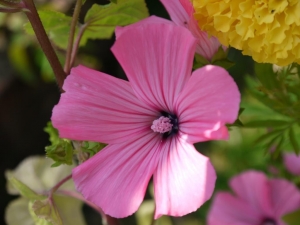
column 270, row 98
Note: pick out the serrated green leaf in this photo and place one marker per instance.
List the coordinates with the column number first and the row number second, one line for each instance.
column 101, row 20
column 57, row 26
column 292, row 218
column 278, row 147
column 294, row 141
column 267, row 123
column 24, row 190
column 53, row 133
column 45, row 209
column 270, row 135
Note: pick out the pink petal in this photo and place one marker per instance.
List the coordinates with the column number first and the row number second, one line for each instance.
column 253, row 188
column 207, row 46
column 177, row 12
column 150, row 20
column 209, row 100
column 184, row 179
column 285, row 197
column 116, row 178
column 292, row 163
column 156, row 64
column 181, row 13
column 229, row 210
column 99, row 107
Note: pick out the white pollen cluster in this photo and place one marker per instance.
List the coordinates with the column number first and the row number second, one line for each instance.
column 162, row 125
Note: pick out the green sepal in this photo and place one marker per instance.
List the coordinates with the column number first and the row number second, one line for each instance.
column 46, row 209
column 24, row 190
column 200, row 61
column 220, row 59
column 292, row 218
column 61, row 153
column 91, row 147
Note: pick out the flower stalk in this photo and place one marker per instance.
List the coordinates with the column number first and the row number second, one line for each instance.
column 44, row 41
column 68, row 63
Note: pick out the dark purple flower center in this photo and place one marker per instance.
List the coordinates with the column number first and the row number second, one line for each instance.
column 268, row 221
column 175, row 125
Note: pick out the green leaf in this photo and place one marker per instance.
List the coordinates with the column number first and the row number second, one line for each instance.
column 57, row 26
column 45, row 209
column 114, row 1
column 219, row 55
column 294, row 141
column 264, row 72
column 101, row 20
column 292, row 218
column 267, row 123
column 270, row 135
column 24, row 190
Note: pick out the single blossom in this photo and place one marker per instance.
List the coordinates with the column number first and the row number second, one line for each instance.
column 292, row 163
column 149, row 122
column 267, row 30
column 181, row 13
column 257, row 200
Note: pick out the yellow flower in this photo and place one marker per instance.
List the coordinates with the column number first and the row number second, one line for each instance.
column 267, row 30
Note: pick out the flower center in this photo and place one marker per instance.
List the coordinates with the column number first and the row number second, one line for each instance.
column 268, row 221
column 167, row 124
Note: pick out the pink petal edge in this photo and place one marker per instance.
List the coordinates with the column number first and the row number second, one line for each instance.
column 227, row 209
column 156, row 64
column 116, row 178
column 183, row 180
column 253, row 187
column 99, row 107
column 292, row 163
column 208, row 101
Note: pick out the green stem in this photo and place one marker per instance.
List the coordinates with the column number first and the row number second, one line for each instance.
column 75, row 17
column 44, row 41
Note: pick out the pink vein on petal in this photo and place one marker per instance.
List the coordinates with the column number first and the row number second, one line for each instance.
column 99, row 107
column 117, row 177
column 209, row 100
column 184, row 179
column 157, row 65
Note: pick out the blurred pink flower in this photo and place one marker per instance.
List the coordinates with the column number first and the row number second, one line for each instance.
column 150, row 123
column 181, row 13
column 257, row 200
column 292, row 163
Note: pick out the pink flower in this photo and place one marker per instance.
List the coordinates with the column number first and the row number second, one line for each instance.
column 292, row 163
column 150, row 123
column 256, row 201
column 181, row 13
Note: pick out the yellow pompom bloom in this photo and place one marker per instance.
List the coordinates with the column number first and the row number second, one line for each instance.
column 267, row 30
